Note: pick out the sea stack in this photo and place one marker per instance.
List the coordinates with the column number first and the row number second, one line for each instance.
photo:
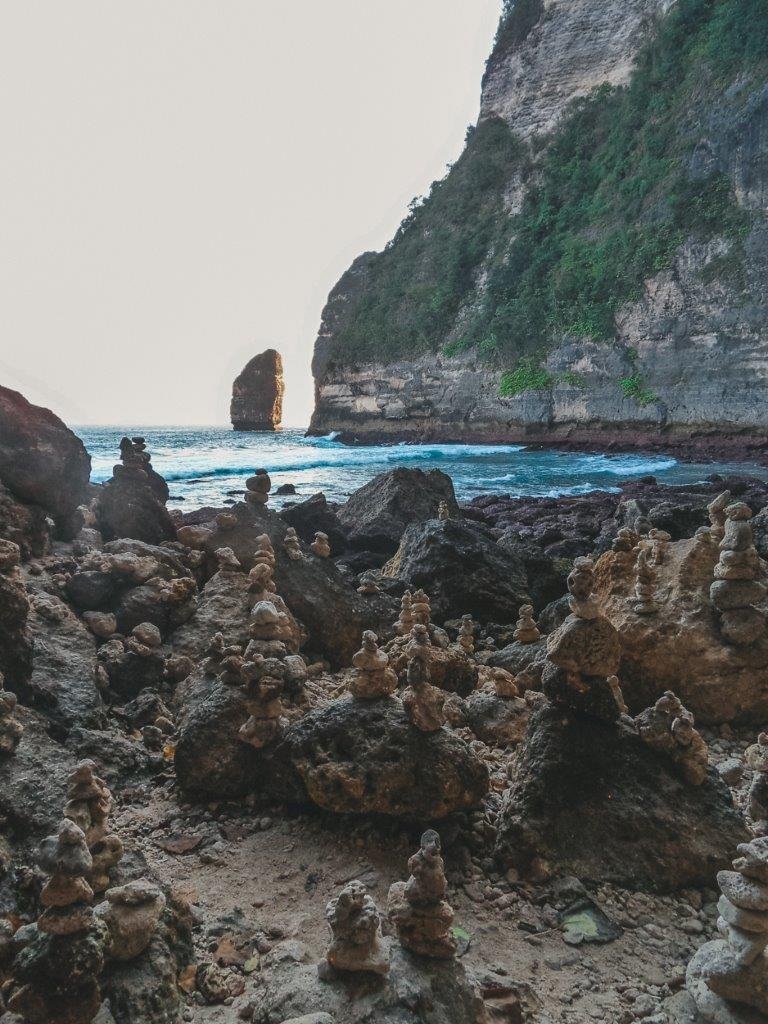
column 257, row 394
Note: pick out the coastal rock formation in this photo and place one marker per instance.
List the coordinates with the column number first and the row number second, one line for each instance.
column 41, row 461
column 15, row 640
column 132, row 503
column 463, row 570
column 402, row 351
column 377, row 514
column 257, row 393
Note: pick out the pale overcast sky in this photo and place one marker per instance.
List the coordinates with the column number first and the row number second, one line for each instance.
column 183, row 181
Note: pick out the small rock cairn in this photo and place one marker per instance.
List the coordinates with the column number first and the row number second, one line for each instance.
column 59, row 971
column 320, row 545
column 11, row 730
column 423, row 702
column 736, row 589
column 257, row 488
column 644, row 602
column 131, row 912
column 89, row 802
column 405, row 621
column 418, row 908
column 526, row 630
column 443, row 511
column 668, row 726
column 292, row 544
column 466, row 637
column 368, row 585
column 356, row 941
column 717, row 517
column 730, row 974
column 373, row 678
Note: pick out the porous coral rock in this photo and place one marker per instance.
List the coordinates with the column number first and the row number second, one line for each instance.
column 669, row 727
column 131, row 912
column 292, row 544
column 526, row 630
column 418, row 909
column 320, row 545
column 423, row 702
column 355, row 924
column 11, row 730
column 372, row 678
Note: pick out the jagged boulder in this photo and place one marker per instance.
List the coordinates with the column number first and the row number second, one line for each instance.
column 462, row 569
column 590, row 799
column 364, row 757
column 41, row 461
column 377, row 514
column 544, row 574
column 257, row 393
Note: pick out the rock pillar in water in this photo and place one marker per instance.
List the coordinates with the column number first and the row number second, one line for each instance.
column 257, row 394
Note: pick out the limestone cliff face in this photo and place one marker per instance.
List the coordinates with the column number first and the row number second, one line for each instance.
column 688, row 352
column 257, row 393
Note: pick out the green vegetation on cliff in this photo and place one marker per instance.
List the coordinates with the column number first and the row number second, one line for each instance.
column 614, row 194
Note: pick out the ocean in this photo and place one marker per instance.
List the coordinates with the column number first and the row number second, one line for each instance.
column 208, row 465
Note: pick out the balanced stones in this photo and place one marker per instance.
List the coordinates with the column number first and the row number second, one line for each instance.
column 405, row 620
column 757, row 799
column 581, row 585
column 227, row 560
column 292, row 544
column 368, row 584
column 89, row 802
column 644, row 602
column 423, row 702
column 258, row 488
column 11, row 729
column 264, row 679
column 373, row 678
column 526, row 630
column 131, row 912
column 443, row 511
column 730, row 974
column 660, row 544
column 320, row 545
column 716, row 511
column 466, row 637
column 736, row 589
column 421, row 609
column 356, row 941
column 669, row 727
column 418, row 908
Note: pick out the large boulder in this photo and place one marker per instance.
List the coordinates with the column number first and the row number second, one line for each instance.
column 41, row 461
column 377, row 514
column 334, row 614
column 25, row 525
column 590, row 799
column 462, row 569
column 679, row 647
column 222, row 607
column 546, row 576
column 257, row 393
column 364, row 757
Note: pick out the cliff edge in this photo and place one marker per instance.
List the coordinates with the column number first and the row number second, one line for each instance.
column 594, row 268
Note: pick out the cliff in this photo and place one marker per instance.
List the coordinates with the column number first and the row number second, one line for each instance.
column 257, row 393
column 593, row 269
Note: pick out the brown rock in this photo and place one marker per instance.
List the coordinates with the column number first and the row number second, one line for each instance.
column 257, row 394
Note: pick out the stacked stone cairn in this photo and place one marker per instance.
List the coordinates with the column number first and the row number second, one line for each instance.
column 660, row 545
column 292, row 544
column 668, row 727
column 421, row 609
column 405, row 621
column 443, row 511
column 757, row 800
column 372, row 677
column 504, row 684
column 265, row 553
column 320, row 545
column 11, row 730
column 418, row 908
column 583, row 652
column 644, row 602
column 717, row 517
column 58, row 971
column 423, row 702
column 257, row 488
column 736, row 589
column 369, row 585
column 227, row 560
column 466, row 637
column 356, row 941
column 89, row 802
column 131, row 912
column 728, row 977
column 526, row 630
column 623, row 546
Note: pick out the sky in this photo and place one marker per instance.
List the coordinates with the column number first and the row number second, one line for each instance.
column 182, row 183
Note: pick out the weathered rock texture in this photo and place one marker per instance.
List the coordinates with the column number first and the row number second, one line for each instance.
column 257, row 394
column 694, row 338
column 41, row 461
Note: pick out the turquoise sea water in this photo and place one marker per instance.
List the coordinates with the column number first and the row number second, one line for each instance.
column 202, row 464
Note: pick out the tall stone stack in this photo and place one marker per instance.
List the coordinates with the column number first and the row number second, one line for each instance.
column 257, row 488
column 418, row 908
column 11, row 730
column 373, row 678
column 584, row 652
column 89, row 802
column 729, row 975
column 356, row 942
column 59, row 970
column 422, row 701
column 736, row 589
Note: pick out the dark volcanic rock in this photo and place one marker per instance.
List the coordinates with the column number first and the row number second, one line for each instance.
column 145, row 989
column 546, row 575
column 25, row 525
column 377, row 514
column 257, row 393
column 595, row 802
column 132, row 503
column 364, row 757
column 462, row 569
column 313, row 515
column 41, row 461
column 15, row 641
